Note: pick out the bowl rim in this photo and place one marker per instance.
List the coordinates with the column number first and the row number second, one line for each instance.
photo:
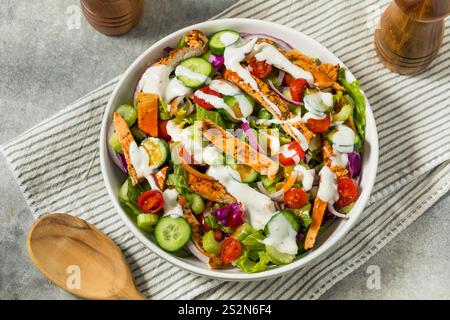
column 217, row 273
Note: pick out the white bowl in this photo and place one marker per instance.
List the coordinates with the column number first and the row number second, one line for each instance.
column 124, row 91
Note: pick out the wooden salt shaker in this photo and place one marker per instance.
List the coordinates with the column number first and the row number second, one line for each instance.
column 112, row 17
column 411, row 33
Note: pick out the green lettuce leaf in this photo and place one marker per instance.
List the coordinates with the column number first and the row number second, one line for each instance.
column 251, row 266
column 213, row 116
column 354, row 89
column 253, row 241
column 178, row 180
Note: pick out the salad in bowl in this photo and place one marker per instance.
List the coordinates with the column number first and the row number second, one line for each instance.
column 239, row 149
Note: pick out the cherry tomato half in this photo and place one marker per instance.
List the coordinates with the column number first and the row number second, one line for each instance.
column 296, row 87
column 202, row 103
column 319, row 125
column 295, row 198
column 348, row 192
column 259, row 69
column 231, row 250
column 293, row 148
column 162, row 130
column 151, row 201
column 287, row 80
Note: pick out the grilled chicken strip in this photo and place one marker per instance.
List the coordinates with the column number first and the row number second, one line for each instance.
column 266, row 93
column 195, row 45
column 210, row 189
column 238, row 149
column 125, row 139
column 196, row 235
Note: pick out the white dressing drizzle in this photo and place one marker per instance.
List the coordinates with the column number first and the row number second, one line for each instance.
column 270, row 54
column 319, row 103
column 228, row 38
column 258, row 207
column 327, row 186
column 140, row 160
column 300, row 136
column 282, row 235
column 155, row 79
column 310, row 115
column 175, row 88
column 306, row 176
column 215, row 101
column 228, row 89
column 289, row 153
column 188, row 73
column 340, row 159
column 171, row 205
column 233, row 56
column 343, row 139
column 189, row 137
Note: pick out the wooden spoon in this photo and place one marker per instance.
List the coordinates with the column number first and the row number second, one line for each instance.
column 80, row 259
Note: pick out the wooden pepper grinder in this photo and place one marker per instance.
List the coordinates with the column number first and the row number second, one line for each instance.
column 112, row 17
column 411, row 33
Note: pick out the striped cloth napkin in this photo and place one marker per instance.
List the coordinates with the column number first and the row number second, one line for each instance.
column 56, row 163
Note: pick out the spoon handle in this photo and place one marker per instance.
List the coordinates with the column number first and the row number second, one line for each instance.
column 133, row 295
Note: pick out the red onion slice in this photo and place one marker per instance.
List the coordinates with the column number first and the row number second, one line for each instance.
column 281, row 75
column 333, row 211
column 251, row 138
column 281, row 43
column 283, row 97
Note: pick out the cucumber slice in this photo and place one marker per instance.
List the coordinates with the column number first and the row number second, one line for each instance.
column 243, row 231
column 233, row 103
column 338, row 144
column 222, row 39
column 343, row 114
column 210, row 244
column 128, row 113
column 157, row 149
column 194, row 72
column 319, row 103
column 291, row 217
column 115, row 143
column 172, row 233
column 197, row 204
column 247, row 173
column 277, row 257
column 123, row 191
column 146, row 221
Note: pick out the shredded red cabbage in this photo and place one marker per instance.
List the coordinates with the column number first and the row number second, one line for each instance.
column 354, row 164
column 217, row 61
column 300, row 235
column 230, row 216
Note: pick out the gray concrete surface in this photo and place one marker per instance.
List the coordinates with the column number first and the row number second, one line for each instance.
column 45, row 65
